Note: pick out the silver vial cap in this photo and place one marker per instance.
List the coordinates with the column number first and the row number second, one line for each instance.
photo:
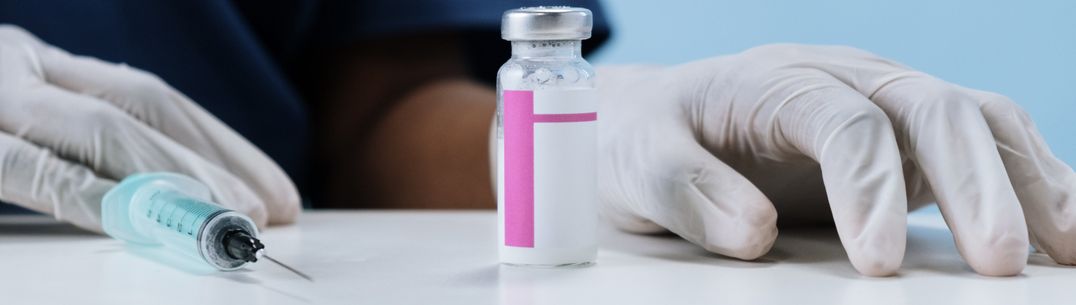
column 547, row 23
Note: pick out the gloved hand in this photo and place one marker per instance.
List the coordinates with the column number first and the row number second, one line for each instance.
column 71, row 126
column 714, row 150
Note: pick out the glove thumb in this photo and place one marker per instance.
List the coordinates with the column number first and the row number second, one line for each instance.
column 693, row 194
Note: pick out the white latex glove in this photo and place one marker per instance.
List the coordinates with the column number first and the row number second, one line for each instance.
column 713, row 150
column 71, row 126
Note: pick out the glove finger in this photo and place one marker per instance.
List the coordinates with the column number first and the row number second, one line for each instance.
column 149, row 99
column 854, row 143
column 944, row 131
column 1045, row 185
column 17, row 65
column 34, row 178
column 701, row 199
column 112, row 143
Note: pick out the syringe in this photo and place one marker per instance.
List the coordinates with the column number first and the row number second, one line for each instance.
column 176, row 211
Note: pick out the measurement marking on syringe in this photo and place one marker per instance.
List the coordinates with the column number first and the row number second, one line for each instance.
column 153, row 205
column 179, row 228
column 166, row 212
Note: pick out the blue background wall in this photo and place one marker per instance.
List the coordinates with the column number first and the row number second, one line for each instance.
column 1023, row 49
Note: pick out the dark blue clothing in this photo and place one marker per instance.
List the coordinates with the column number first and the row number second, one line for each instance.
column 236, row 58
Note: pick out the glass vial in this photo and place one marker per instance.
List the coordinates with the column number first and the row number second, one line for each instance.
column 547, row 114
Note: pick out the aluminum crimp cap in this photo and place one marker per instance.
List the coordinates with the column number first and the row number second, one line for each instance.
column 547, row 23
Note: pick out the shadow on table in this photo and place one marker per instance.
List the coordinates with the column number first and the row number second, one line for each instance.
column 16, row 220
column 192, row 267
column 42, row 228
column 928, row 249
column 1043, row 259
column 808, row 245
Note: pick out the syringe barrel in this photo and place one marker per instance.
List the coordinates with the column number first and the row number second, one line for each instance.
column 174, row 211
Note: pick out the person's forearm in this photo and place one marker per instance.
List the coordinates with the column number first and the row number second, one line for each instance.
column 431, row 149
column 399, row 125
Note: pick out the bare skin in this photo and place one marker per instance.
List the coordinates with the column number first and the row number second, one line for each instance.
column 404, row 127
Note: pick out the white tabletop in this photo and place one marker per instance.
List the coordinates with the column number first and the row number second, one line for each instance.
column 388, row 257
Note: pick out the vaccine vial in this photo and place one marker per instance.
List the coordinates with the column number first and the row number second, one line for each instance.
column 547, row 115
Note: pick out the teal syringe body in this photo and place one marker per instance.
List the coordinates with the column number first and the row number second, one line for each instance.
column 177, row 212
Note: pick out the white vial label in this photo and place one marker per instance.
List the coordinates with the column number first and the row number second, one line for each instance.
column 547, row 177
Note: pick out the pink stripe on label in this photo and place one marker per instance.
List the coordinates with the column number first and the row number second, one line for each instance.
column 519, row 119
column 518, row 168
column 566, row 117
